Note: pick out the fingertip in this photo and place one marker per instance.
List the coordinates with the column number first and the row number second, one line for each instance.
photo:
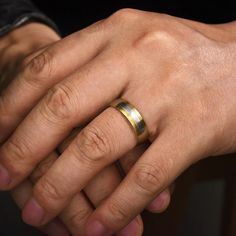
column 33, row 213
column 55, row 228
column 134, row 228
column 160, row 203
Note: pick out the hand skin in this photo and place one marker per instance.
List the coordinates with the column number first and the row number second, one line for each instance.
column 20, row 43
column 75, row 215
column 14, row 48
column 17, row 49
column 180, row 75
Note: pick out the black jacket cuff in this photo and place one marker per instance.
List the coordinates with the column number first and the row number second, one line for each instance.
column 14, row 13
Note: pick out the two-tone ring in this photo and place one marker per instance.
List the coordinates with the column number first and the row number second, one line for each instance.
column 134, row 118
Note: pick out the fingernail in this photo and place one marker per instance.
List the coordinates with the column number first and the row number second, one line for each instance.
column 132, row 229
column 33, row 213
column 95, row 228
column 5, row 178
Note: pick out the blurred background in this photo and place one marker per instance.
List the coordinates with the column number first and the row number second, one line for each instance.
column 204, row 201
column 72, row 15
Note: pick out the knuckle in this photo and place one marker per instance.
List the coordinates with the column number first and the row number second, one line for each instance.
column 156, row 39
column 41, row 169
column 41, row 64
column 118, row 212
column 78, row 218
column 15, row 153
column 93, row 144
column 57, row 103
column 150, row 178
column 47, row 192
column 99, row 26
column 27, row 59
column 38, row 69
column 125, row 14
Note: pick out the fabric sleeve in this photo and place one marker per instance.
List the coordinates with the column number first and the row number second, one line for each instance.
column 14, row 13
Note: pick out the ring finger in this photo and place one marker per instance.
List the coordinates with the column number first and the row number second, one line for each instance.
column 99, row 144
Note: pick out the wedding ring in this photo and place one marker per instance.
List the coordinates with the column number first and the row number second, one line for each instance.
column 133, row 116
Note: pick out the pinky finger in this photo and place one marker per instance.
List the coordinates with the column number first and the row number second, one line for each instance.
column 21, row 194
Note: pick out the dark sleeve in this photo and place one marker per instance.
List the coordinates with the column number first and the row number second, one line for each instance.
column 14, row 13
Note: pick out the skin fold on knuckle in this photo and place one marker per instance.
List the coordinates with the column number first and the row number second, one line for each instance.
column 116, row 214
column 149, row 178
column 57, row 105
column 78, row 219
column 93, row 145
column 14, row 154
column 42, row 168
column 41, row 65
column 49, row 194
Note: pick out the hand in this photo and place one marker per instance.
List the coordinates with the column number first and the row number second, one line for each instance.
column 169, row 68
column 17, row 49
column 75, row 215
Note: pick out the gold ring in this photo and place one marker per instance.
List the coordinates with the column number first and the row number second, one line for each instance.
column 133, row 116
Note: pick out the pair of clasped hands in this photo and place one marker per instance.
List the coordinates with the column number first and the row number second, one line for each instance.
column 60, row 137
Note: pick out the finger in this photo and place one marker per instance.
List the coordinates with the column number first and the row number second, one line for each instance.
column 42, row 72
column 66, row 106
column 155, row 170
column 104, row 183
column 162, row 201
column 96, row 146
column 19, row 49
column 9, row 74
column 67, row 141
column 42, row 168
column 131, row 157
column 77, row 212
column 75, row 215
column 21, row 194
column 100, row 187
